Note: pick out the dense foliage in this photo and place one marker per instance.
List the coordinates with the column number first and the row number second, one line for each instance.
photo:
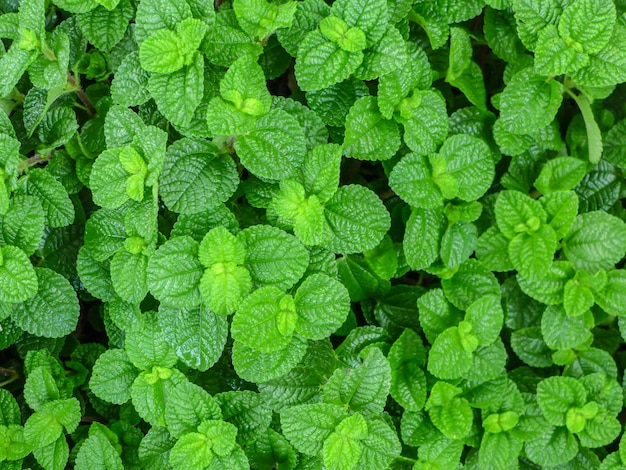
column 360, row 234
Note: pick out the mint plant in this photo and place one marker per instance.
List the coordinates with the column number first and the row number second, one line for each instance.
column 306, row 234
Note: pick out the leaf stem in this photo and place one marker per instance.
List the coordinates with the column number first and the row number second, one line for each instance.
column 594, row 136
column 82, row 95
column 34, row 160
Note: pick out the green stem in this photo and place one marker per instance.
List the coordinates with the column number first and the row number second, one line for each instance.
column 594, row 136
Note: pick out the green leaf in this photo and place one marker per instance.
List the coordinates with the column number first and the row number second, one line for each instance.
column 9, row 411
column 556, row 395
column 369, row 16
column 130, row 83
column 306, row 18
column 95, row 275
column 614, row 146
column 321, row 63
column 612, row 296
column 45, row 425
column 53, row 311
column 13, row 64
column 368, row 135
column 561, row 331
column 460, row 53
column 530, row 102
column 486, row 317
column 556, row 446
column 450, row 356
column 145, row 344
column 389, row 54
column 363, row 389
column 548, row 290
column 532, row 254
column 322, row 304
column 97, row 453
column 57, row 206
column 257, row 367
column 120, row 127
column 244, row 86
column 342, row 448
column 187, row 407
column 308, row 426
column 413, row 181
column 472, row 85
column 424, row 230
column 109, row 179
column 194, row 178
column 425, row 120
column 471, row 282
column 499, row 450
column 588, row 24
column 225, row 41
column 458, row 243
column 265, row 320
column 451, row 414
column 14, row 445
column 105, row 27
column 23, row 223
column 530, row 347
column 560, row 174
column 161, row 52
column 128, row 275
column 179, row 93
column 275, row 148
column 597, row 240
column 555, row 55
column 357, row 218
column 321, row 170
column 273, row 257
column 533, row 16
column 518, row 213
column 150, row 392
column 174, row 273
column 260, row 18
column 247, row 411
column 77, row 6
column 408, row 381
column 112, row 377
column 349, row 39
column 197, row 335
column 40, row 388
column 470, row 162
column 577, row 298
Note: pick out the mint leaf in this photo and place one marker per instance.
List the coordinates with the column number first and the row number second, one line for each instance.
column 97, row 452
column 588, row 24
column 260, row 18
column 150, row 392
column 422, row 238
column 145, row 344
column 57, row 206
column 308, row 426
column 450, row 413
column 53, row 311
column 113, row 375
column 408, row 382
column 368, row 135
column 23, row 223
column 188, row 406
column 370, row 17
column 105, row 27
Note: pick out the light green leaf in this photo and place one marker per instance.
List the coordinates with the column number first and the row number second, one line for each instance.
column 265, row 320
column 120, row 126
column 40, row 388
column 588, row 24
column 451, row 414
column 194, row 178
column 577, row 298
column 486, row 317
column 533, row 16
column 364, row 388
column 260, row 18
column 244, row 86
column 273, row 257
column 275, row 148
column 178, row 93
column 492, row 250
column 112, row 377
column 556, row 395
column 460, row 53
column 458, row 243
column 13, row 64
column 105, row 27
column 45, row 425
column 555, row 56
column 548, row 290
column 109, row 178
column 529, row 102
column 321, row 63
column 174, row 273
column 322, row 304
column 197, row 335
column 97, row 453
column 306, row 18
column 369, row 16
column 556, row 446
column 560, row 174
column 77, row 6
column 381, row 447
column 192, row 451
column 187, row 407
column 342, row 448
column 612, row 297
column 530, row 347
column 150, row 392
column 597, row 240
column 499, row 450
column 130, row 83
column 53, row 311
column 161, row 52
column 308, row 426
